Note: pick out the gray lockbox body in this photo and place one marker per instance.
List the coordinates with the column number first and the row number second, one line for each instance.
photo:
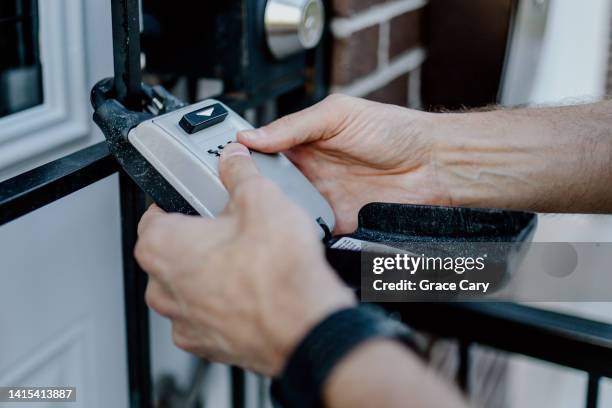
column 189, row 161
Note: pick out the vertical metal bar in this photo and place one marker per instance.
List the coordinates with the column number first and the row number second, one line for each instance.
column 238, row 384
column 126, row 52
column 136, row 311
column 592, row 391
column 463, row 372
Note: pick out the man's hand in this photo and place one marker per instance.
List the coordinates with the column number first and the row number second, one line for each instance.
column 356, row 152
column 243, row 288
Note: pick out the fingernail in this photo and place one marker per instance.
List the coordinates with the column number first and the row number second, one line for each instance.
column 253, row 134
column 234, row 149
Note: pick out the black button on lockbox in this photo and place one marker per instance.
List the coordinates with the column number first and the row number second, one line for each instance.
column 203, row 118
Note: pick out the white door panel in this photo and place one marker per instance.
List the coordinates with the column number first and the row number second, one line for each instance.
column 61, row 290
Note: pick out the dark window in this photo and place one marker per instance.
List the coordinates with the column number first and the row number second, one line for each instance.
column 20, row 68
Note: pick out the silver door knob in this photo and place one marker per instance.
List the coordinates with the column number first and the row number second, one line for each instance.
column 293, row 25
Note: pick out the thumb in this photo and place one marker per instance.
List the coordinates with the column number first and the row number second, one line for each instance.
column 317, row 122
column 236, row 167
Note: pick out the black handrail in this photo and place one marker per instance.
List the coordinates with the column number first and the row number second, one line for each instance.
column 563, row 339
column 36, row 188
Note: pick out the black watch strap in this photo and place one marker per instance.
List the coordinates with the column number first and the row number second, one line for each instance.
column 300, row 384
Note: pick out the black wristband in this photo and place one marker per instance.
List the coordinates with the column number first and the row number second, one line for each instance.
column 300, row 384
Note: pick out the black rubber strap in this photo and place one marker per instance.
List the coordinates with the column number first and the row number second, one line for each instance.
column 300, row 384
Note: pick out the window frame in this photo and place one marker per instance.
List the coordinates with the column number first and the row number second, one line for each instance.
column 63, row 116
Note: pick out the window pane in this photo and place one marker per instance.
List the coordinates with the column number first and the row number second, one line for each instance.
column 20, row 68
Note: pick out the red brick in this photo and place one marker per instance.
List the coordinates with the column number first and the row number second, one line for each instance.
column 355, row 56
column 395, row 92
column 345, row 8
column 405, row 32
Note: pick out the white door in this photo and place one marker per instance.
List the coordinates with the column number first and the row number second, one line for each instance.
column 61, row 285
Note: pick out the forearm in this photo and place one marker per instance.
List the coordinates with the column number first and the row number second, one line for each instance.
column 544, row 159
column 383, row 373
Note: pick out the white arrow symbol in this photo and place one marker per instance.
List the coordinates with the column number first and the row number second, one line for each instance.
column 206, row 112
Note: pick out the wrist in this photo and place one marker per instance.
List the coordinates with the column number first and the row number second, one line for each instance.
column 325, row 295
column 492, row 159
column 327, row 346
column 373, row 357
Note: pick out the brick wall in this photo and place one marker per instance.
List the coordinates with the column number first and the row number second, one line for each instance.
column 378, row 49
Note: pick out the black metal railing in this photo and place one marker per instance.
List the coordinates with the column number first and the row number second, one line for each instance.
column 563, row 339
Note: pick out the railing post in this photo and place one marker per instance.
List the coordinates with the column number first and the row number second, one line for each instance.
column 463, row 372
column 136, row 311
column 127, row 86
column 592, row 390
column 126, row 52
column 238, row 380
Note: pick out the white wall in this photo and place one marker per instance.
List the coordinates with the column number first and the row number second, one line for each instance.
column 574, row 53
column 571, row 69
